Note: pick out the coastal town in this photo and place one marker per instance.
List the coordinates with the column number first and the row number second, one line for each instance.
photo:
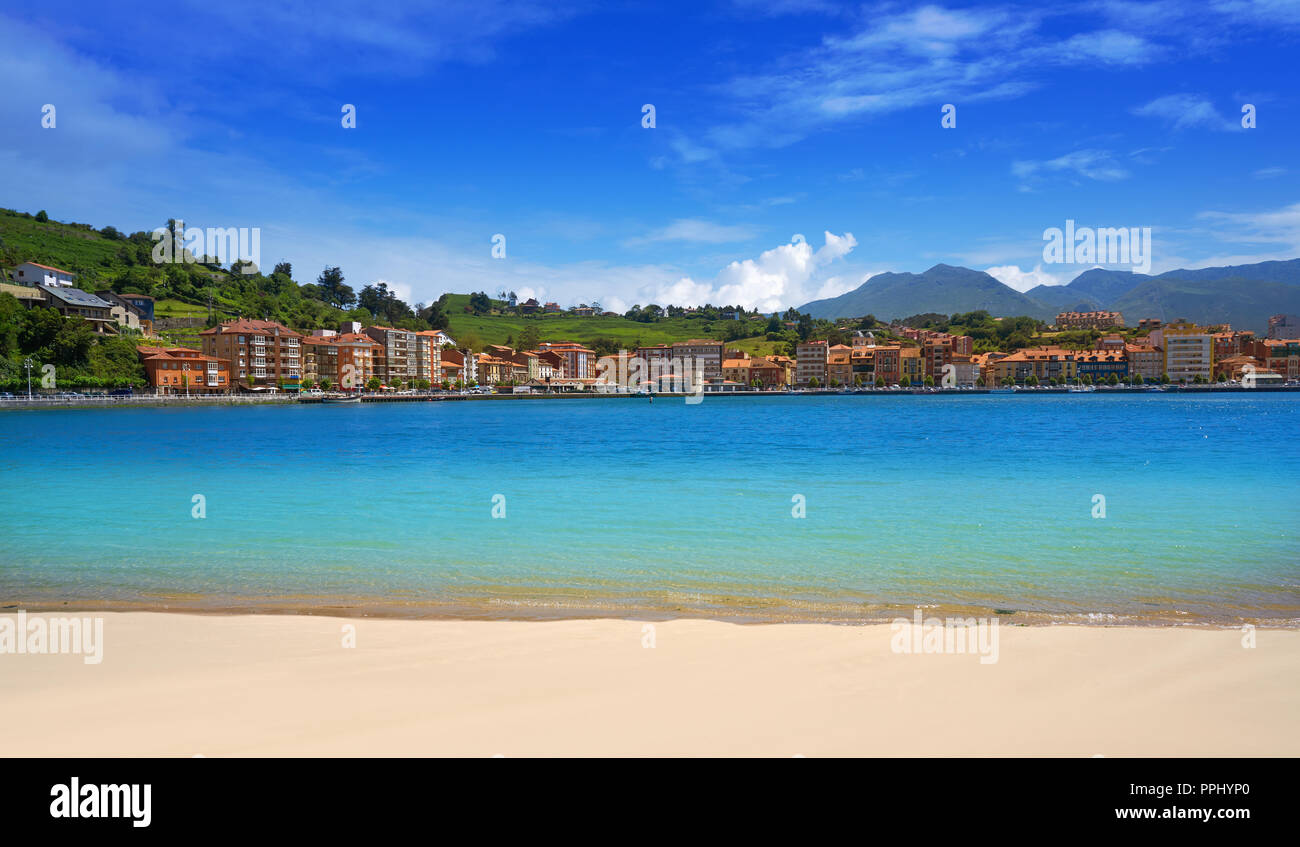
column 252, row 356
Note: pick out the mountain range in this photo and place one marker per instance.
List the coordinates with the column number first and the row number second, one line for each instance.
column 1241, row 295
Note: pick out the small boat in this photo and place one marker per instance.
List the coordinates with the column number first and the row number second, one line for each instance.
column 344, row 398
column 1081, row 389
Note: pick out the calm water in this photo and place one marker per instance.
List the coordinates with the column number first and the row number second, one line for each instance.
column 629, row 508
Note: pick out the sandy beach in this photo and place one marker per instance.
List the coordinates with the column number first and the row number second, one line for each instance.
column 211, row 685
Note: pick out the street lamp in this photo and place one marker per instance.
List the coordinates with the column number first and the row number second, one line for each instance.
column 27, row 363
column 185, row 368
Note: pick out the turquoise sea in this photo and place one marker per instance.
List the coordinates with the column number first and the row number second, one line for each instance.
column 629, row 508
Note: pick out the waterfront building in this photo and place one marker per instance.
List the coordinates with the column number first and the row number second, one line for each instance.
column 1189, row 351
column 180, row 370
column 812, row 358
column 258, row 351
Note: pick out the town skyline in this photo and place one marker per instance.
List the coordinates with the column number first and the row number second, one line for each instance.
column 796, row 126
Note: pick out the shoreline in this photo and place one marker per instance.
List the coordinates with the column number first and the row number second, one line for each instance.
column 143, row 401
column 531, row 610
column 263, row 685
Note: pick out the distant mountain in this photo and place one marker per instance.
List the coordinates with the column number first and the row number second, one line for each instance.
column 943, row 288
column 1242, row 295
column 1063, row 298
column 1105, row 287
column 1244, row 303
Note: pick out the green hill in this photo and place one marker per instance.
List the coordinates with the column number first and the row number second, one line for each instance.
column 603, row 333
column 190, row 295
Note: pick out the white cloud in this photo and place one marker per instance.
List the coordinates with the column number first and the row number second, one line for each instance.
column 694, row 230
column 1182, row 111
column 1013, row 277
column 1092, row 164
column 1111, row 47
column 1280, row 227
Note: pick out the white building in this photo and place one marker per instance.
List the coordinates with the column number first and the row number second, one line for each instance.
column 30, row 273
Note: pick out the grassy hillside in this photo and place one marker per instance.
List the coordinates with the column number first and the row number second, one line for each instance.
column 107, row 258
column 602, row 333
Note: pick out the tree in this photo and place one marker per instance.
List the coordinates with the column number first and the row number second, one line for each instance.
column 1113, row 379
column 805, row 326
column 373, row 383
column 905, row 381
column 1032, row 379
column 813, row 382
column 325, row 383
column 480, row 303
column 287, row 270
column 929, row 381
column 1137, row 379
column 42, row 217
column 880, row 382
column 529, row 337
column 333, row 290
column 1164, row 379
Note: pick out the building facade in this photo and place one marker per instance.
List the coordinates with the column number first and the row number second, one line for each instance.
column 259, row 352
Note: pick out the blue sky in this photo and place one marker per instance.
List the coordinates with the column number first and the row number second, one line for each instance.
column 772, row 119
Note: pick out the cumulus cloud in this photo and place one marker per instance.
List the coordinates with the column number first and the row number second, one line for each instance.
column 781, row 276
column 1013, row 277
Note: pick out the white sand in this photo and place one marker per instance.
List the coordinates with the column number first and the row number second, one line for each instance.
column 180, row 685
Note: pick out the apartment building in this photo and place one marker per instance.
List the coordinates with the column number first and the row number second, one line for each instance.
column 1099, row 365
column 885, row 363
column 348, row 361
column 839, row 365
column 1188, row 349
column 787, row 366
column 399, row 363
column 704, row 356
column 1284, row 326
column 911, row 366
column 453, row 366
column 259, row 352
column 1145, row 361
column 1042, row 363
column 494, row 370
column 428, row 355
column 181, row 370
column 1089, row 320
column 1278, row 355
column 811, row 359
column 1229, row 343
column 576, row 361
